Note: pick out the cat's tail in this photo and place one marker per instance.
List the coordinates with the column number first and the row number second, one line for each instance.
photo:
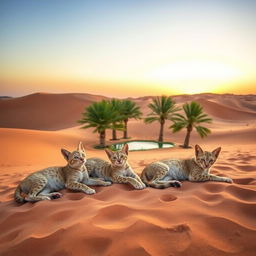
column 149, row 183
column 17, row 195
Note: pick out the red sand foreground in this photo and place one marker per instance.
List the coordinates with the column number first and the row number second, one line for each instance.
column 197, row 219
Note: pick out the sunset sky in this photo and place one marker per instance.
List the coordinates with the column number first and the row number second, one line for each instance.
column 127, row 48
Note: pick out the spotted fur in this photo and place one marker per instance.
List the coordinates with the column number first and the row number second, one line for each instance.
column 168, row 173
column 117, row 171
column 44, row 184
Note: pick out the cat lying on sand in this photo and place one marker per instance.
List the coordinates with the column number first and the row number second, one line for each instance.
column 44, row 184
column 117, row 171
column 78, row 173
column 168, row 173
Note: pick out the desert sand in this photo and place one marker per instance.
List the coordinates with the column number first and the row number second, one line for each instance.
column 197, row 219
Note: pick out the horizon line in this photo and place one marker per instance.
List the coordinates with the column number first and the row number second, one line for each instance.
column 133, row 97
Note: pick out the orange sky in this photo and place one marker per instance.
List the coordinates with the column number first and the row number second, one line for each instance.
column 129, row 48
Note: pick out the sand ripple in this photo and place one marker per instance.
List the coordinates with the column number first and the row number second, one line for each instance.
column 205, row 219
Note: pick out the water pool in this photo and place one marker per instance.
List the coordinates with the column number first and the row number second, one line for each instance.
column 142, row 145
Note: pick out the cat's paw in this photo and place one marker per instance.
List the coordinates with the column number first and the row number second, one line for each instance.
column 46, row 198
column 107, row 183
column 90, row 191
column 143, row 185
column 176, row 184
column 228, row 180
column 139, row 186
column 34, row 199
column 56, row 195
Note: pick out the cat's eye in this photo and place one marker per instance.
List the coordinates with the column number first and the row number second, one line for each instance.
column 114, row 157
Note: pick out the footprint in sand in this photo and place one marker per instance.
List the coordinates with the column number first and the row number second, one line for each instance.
column 179, row 228
column 75, row 196
column 168, row 198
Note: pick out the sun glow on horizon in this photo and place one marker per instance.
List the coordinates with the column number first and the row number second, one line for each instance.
column 195, row 76
column 128, row 48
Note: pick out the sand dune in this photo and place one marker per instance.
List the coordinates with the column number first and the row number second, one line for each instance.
column 215, row 218
column 240, row 102
column 197, row 219
column 43, row 111
column 221, row 111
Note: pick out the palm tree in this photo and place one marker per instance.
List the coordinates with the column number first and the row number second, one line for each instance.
column 163, row 108
column 194, row 116
column 128, row 110
column 102, row 116
column 116, row 105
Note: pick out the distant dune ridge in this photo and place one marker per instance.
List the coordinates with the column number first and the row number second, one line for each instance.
column 43, row 111
column 197, row 219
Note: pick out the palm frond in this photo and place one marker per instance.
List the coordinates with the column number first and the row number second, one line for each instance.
column 177, row 126
column 151, row 119
column 178, row 118
column 193, row 115
column 129, row 109
column 205, row 120
column 163, row 108
column 192, row 109
column 100, row 115
column 202, row 131
column 117, row 126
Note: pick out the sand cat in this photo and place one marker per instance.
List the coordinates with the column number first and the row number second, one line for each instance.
column 168, row 173
column 44, row 184
column 117, row 171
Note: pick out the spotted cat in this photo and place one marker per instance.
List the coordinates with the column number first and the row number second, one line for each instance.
column 44, row 184
column 117, row 171
column 168, row 173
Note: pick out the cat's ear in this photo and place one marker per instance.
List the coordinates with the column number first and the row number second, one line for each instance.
column 198, row 150
column 216, row 151
column 125, row 149
column 65, row 153
column 109, row 152
column 80, row 146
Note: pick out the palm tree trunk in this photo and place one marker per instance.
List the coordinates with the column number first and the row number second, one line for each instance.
column 187, row 138
column 125, row 129
column 103, row 139
column 114, row 134
column 161, row 133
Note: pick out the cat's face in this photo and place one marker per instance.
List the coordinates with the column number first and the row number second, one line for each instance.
column 206, row 159
column 118, row 158
column 77, row 158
